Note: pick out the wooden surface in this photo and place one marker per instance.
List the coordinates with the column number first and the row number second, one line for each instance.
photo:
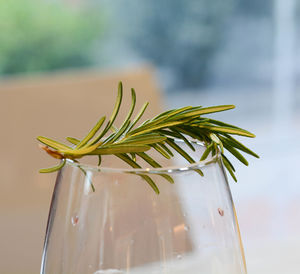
column 64, row 105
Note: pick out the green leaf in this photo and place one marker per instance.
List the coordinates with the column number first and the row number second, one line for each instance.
column 188, row 130
column 133, row 164
column 238, row 155
column 148, row 128
column 113, row 128
column 99, row 160
column 85, row 174
column 235, row 143
column 167, row 150
column 51, row 143
column 229, row 130
column 208, row 110
column 219, row 123
column 146, row 139
column 162, row 114
column 133, row 155
column 177, row 112
column 182, row 137
column 118, row 134
column 114, row 113
column 133, row 102
column 117, row 149
column 216, row 139
column 172, row 144
column 126, row 122
column 206, row 152
column 55, row 168
column 138, row 117
column 150, row 182
column 72, row 140
column 161, row 151
column 229, row 166
column 92, row 133
column 154, row 164
column 80, row 151
column 168, row 116
column 117, row 105
column 157, row 134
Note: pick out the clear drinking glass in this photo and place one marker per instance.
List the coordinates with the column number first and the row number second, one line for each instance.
column 125, row 227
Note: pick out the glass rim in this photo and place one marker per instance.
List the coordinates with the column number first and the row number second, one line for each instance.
column 152, row 170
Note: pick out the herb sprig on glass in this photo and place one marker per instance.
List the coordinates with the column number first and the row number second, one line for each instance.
column 159, row 133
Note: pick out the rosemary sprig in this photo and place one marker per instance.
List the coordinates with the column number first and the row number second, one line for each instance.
column 158, row 133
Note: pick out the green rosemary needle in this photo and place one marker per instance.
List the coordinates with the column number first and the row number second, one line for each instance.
column 158, row 133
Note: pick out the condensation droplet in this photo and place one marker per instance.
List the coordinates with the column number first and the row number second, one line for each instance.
column 221, row 211
column 75, row 220
column 186, row 228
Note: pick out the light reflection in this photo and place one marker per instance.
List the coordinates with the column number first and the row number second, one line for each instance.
column 179, row 228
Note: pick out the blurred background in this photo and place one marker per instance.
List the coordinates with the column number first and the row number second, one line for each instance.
column 196, row 52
